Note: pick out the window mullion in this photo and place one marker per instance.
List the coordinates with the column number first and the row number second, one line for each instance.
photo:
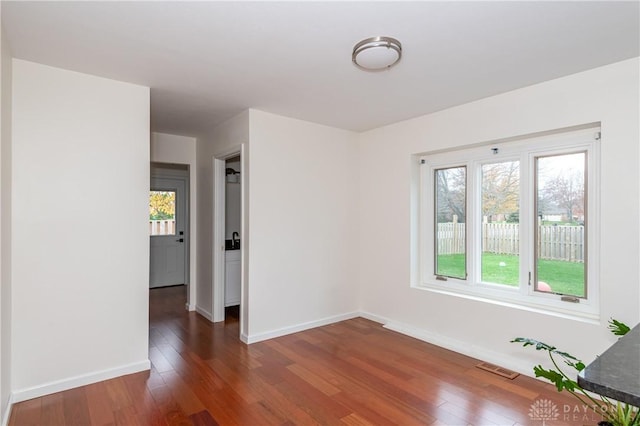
column 527, row 228
column 472, row 230
column 426, row 269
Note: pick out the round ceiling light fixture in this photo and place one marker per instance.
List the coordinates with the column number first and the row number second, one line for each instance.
column 377, row 53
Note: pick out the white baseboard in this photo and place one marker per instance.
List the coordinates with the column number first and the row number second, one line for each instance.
column 374, row 317
column 455, row 345
column 7, row 412
column 189, row 307
column 299, row 327
column 244, row 338
column 74, row 382
column 208, row 315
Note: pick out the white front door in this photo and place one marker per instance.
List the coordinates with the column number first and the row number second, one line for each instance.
column 167, row 203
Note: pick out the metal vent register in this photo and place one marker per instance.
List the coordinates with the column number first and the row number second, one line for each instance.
column 498, row 370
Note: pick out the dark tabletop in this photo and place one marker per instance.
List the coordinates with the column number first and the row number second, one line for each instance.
column 616, row 373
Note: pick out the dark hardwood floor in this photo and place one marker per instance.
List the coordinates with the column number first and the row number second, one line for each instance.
column 354, row 373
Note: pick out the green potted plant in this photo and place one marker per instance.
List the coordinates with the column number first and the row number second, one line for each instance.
column 613, row 413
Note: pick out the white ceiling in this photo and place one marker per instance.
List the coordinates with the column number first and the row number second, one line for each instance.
column 207, row 61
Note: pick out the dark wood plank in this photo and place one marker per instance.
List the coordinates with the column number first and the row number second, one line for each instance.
column 182, row 393
column 100, row 411
column 145, row 407
column 76, row 407
column 53, row 409
column 202, row 418
column 169, row 408
column 27, row 413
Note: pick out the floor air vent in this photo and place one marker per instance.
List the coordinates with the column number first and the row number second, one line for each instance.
column 498, row 370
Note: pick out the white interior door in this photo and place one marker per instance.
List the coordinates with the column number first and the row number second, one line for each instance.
column 168, row 237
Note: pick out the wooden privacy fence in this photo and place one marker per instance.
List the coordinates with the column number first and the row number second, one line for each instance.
column 451, row 238
column 561, row 243
column 162, row 227
column 555, row 242
column 500, row 238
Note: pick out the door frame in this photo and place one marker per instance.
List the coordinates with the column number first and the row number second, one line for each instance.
column 218, row 237
column 169, row 171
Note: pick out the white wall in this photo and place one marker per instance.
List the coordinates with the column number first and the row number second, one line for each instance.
column 5, row 226
column 175, row 149
column 80, row 236
column 226, row 137
column 609, row 95
column 303, row 215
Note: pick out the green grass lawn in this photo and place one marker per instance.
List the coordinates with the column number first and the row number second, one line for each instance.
column 563, row 277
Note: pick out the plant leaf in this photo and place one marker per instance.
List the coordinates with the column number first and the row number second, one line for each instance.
column 618, row 328
column 566, row 355
column 568, row 359
column 532, row 342
column 555, row 377
column 626, row 415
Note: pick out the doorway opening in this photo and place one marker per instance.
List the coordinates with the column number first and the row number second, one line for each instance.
column 169, row 226
column 229, row 242
column 232, row 222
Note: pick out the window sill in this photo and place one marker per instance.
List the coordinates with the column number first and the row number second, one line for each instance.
column 585, row 315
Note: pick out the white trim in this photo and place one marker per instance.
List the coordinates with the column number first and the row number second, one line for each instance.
column 244, row 338
column 82, row 380
column 7, row 411
column 525, row 150
column 204, row 313
column 374, row 317
column 160, row 170
column 299, row 327
column 244, row 248
column 455, row 345
column 189, row 307
column 218, row 237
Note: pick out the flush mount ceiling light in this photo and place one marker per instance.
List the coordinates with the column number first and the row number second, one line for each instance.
column 377, row 53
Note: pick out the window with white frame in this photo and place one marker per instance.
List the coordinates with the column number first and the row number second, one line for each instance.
column 514, row 221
